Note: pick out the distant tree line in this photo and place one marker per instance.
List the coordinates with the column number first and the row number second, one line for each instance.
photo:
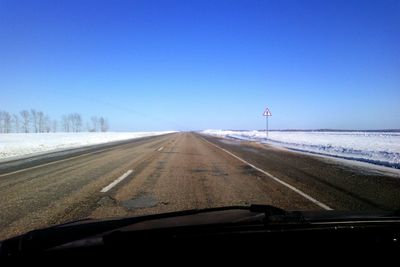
column 34, row 121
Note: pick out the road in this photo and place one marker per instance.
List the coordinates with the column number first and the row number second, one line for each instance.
column 181, row 171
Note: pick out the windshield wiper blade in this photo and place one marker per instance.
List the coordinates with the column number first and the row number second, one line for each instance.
column 268, row 210
column 278, row 216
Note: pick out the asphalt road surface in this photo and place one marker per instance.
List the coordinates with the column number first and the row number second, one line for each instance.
column 181, row 171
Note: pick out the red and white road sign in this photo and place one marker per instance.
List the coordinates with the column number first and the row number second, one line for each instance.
column 267, row 112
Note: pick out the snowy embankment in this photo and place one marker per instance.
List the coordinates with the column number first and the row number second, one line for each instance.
column 25, row 144
column 381, row 148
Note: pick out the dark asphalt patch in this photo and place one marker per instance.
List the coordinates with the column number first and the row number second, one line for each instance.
column 198, row 170
column 140, row 202
column 106, row 201
column 248, row 170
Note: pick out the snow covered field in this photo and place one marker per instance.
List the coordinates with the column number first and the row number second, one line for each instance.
column 381, row 148
column 22, row 144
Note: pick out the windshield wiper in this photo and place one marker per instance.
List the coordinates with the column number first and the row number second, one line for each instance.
column 268, row 210
column 278, row 216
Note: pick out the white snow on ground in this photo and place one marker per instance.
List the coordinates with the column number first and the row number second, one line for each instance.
column 23, row 144
column 381, row 148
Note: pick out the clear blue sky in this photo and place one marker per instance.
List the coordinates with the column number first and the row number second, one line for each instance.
column 189, row 65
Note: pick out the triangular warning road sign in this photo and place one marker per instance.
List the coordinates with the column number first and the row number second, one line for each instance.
column 267, row 112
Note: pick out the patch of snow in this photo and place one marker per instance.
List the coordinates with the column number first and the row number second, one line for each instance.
column 381, row 148
column 22, row 144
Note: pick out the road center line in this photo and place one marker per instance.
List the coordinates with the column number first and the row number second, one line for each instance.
column 116, row 181
column 298, row 191
column 161, row 148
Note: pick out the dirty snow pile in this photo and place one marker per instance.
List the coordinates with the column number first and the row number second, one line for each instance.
column 381, row 148
column 22, row 144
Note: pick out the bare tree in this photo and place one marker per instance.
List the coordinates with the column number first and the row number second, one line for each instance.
column 41, row 121
column 54, row 126
column 65, row 123
column 16, row 123
column 47, row 124
column 2, row 121
column 78, row 122
column 25, row 121
column 72, row 122
column 89, row 127
column 6, row 121
column 95, row 124
column 103, row 124
column 38, row 122
column 34, row 119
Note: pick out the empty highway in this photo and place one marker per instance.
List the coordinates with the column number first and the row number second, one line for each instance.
column 181, row 171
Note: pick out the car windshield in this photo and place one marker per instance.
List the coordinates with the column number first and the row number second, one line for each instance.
column 137, row 107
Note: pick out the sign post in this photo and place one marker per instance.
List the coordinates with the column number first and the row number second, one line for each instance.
column 266, row 114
